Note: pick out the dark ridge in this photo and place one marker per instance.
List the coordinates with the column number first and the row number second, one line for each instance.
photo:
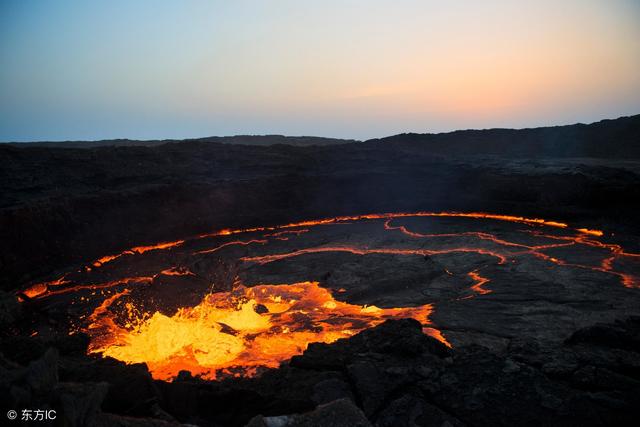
column 617, row 138
column 300, row 141
column 611, row 138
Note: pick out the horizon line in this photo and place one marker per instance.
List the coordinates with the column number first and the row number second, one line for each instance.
column 317, row 136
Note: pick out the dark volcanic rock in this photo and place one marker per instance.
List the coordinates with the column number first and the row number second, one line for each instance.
column 111, row 420
column 329, row 390
column 131, row 388
column 412, row 410
column 61, row 206
column 398, row 338
column 42, row 374
column 81, row 402
column 622, row 334
column 22, row 349
column 390, row 375
column 339, row 413
column 10, row 310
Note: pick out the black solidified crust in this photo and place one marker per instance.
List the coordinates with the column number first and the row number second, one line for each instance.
column 391, row 375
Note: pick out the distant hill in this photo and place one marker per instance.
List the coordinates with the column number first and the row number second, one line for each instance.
column 262, row 140
column 617, row 138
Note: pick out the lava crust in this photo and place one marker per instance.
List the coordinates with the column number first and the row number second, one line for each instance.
column 240, row 301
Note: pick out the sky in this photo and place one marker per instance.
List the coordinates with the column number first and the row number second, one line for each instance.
column 155, row 69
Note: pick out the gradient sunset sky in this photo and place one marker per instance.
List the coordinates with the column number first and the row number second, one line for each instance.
column 353, row 69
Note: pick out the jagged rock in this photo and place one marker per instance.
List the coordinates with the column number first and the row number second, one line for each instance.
column 574, row 383
column 278, row 421
column 159, row 413
column 597, row 378
column 181, row 399
column 623, row 334
column 481, row 388
column 399, row 338
column 42, row 374
column 16, row 396
column 370, row 387
column 232, row 403
column 560, row 366
column 184, row 376
column 10, row 310
column 7, row 366
column 412, row 411
column 402, row 337
column 22, row 349
column 112, row 420
column 319, row 356
column 81, row 403
column 75, row 344
column 329, row 390
column 131, row 388
column 339, row 413
column 476, row 386
column 526, row 351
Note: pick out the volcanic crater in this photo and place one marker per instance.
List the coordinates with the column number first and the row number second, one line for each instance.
column 238, row 301
column 124, row 300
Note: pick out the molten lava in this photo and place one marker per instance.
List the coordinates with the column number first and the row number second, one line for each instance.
column 237, row 332
column 242, row 330
column 479, row 282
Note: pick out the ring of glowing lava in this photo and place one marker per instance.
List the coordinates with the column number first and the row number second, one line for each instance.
column 188, row 304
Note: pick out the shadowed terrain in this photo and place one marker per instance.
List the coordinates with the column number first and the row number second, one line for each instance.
column 115, row 249
column 65, row 205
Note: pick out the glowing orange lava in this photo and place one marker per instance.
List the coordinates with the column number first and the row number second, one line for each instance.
column 479, row 282
column 137, row 250
column 391, row 215
column 176, row 272
column 237, row 332
column 596, row 233
column 342, row 219
column 265, row 259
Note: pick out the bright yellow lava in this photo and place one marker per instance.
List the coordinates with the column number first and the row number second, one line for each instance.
column 237, row 332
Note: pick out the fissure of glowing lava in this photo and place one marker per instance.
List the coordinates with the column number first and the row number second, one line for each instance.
column 239, row 331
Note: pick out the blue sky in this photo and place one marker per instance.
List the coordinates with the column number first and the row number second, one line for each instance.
column 355, row 69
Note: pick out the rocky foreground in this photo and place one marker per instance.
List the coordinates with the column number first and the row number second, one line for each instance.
column 391, row 375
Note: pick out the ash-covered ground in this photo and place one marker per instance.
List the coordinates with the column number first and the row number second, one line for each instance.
column 518, row 322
